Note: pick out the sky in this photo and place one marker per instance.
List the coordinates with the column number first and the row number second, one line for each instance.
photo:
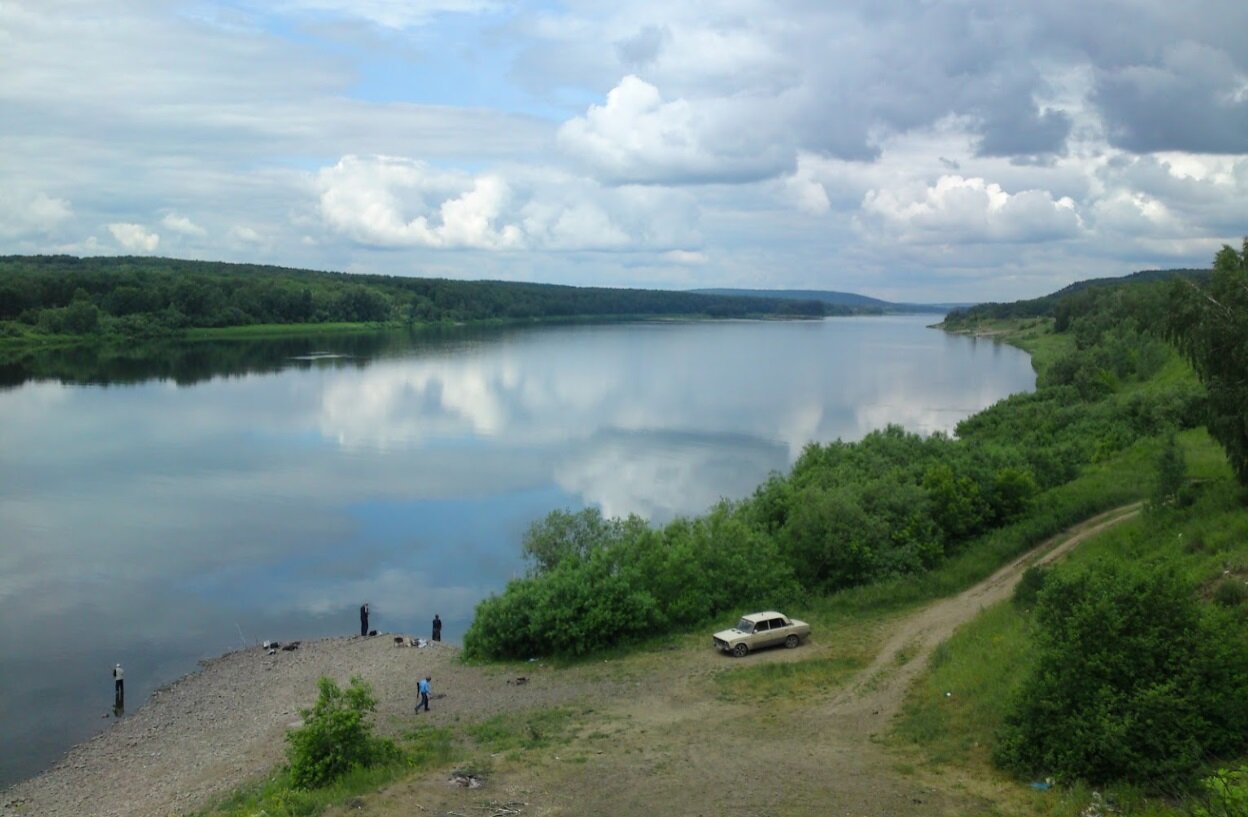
column 917, row 150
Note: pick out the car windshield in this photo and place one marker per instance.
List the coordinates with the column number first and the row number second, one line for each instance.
column 745, row 625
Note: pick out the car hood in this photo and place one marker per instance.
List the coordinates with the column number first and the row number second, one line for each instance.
column 728, row 635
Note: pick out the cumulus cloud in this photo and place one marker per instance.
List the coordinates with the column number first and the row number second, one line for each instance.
column 388, row 201
column 246, row 235
column 962, row 210
column 1133, row 214
column 22, row 215
column 394, row 202
column 638, row 137
column 183, row 225
column 134, row 237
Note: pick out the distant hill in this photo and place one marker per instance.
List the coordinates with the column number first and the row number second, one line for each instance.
column 1047, row 305
column 1141, row 277
column 859, row 303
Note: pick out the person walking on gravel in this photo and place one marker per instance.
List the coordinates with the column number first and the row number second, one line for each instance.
column 423, row 686
column 364, row 618
column 437, row 627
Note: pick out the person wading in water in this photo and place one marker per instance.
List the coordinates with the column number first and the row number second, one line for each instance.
column 119, row 688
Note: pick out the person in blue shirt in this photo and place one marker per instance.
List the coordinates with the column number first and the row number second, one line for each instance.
column 423, row 686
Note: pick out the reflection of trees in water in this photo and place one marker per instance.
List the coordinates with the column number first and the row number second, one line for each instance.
column 189, row 362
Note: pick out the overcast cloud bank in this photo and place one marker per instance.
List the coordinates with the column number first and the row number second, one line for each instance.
column 904, row 150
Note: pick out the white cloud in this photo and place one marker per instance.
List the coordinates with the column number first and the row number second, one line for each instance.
column 244, row 234
column 134, row 237
column 686, row 257
column 804, row 188
column 571, row 225
column 32, row 214
column 637, row 137
column 961, row 210
column 1133, row 214
column 183, row 225
column 388, row 201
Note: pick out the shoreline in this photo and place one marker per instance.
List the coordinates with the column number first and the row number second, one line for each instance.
column 202, row 735
column 199, row 738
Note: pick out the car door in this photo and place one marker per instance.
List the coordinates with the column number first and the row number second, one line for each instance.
column 777, row 630
column 760, row 638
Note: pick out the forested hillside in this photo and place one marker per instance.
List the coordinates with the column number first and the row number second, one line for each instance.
column 52, row 296
column 1061, row 304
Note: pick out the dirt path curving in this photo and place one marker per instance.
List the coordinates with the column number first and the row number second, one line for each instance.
column 881, row 688
column 655, row 734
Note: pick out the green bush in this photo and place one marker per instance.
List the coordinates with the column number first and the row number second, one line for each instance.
column 1029, row 586
column 335, row 736
column 1171, row 475
column 613, row 584
column 1135, row 682
column 1230, row 592
column 1226, row 793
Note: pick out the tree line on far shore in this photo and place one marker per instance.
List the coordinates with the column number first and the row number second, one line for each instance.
column 153, row 297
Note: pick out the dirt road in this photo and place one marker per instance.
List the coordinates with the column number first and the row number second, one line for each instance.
column 656, row 733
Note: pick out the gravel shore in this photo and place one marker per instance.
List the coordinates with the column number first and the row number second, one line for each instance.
column 207, row 733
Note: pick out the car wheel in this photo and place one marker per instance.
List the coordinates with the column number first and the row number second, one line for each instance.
column 740, row 650
column 791, row 641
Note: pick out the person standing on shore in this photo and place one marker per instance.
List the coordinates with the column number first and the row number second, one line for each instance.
column 423, row 686
column 119, row 688
column 437, row 628
column 364, row 618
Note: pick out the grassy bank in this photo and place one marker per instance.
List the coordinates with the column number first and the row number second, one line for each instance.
column 953, row 717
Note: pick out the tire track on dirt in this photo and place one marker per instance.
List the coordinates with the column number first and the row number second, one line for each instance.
column 876, row 694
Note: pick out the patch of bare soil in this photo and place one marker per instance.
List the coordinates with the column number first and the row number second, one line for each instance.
column 654, row 736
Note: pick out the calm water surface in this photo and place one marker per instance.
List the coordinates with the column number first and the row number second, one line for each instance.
column 158, row 510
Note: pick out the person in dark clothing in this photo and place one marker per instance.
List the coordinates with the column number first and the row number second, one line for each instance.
column 437, row 628
column 364, row 618
column 119, row 688
column 423, row 686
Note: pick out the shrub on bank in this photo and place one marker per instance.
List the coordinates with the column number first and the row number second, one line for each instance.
column 336, row 736
column 1135, row 681
column 612, row 586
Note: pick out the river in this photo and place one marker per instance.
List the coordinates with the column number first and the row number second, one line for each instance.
column 164, row 505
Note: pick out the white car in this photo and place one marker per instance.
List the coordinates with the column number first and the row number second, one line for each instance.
column 757, row 630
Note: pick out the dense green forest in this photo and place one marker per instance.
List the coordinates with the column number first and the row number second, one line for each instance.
column 56, row 296
column 1128, row 671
